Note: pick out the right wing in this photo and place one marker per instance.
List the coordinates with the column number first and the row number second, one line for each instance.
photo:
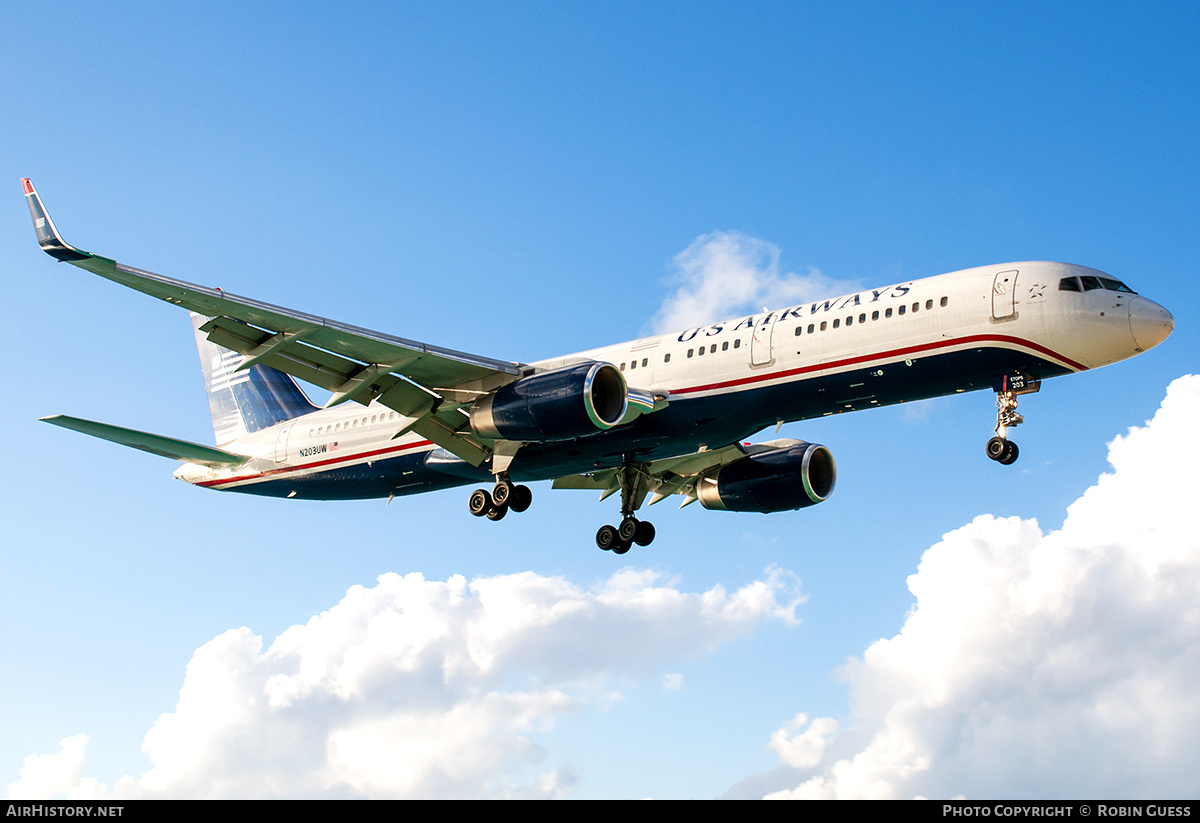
column 427, row 385
column 667, row 476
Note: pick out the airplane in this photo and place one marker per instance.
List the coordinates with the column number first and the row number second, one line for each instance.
column 665, row 415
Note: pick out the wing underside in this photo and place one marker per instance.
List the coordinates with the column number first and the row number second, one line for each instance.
column 427, row 385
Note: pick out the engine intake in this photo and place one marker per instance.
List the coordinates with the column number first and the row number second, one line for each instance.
column 782, row 479
column 556, row 405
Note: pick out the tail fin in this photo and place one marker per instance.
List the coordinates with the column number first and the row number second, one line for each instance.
column 246, row 401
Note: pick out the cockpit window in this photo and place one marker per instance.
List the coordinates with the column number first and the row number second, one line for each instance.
column 1088, row 282
column 1116, row 285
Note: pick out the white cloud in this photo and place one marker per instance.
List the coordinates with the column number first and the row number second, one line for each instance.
column 726, row 273
column 57, row 775
column 1035, row 664
column 417, row 688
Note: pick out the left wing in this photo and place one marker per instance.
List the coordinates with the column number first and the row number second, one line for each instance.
column 427, row 385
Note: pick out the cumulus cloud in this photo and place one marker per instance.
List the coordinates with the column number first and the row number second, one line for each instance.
column 417, row 688
column 1059, row 664
column 726, row 273
column 58, row 774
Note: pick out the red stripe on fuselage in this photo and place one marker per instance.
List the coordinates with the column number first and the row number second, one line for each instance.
column 865, row 358
column 317, row 464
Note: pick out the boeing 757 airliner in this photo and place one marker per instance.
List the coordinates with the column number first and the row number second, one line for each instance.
column 663, row 415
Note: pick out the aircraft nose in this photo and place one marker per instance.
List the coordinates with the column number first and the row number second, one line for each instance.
column 1149, row 322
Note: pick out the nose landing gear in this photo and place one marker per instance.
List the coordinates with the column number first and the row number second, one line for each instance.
column 1008, row 387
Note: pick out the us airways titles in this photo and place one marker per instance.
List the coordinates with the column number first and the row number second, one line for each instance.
column 836, row 304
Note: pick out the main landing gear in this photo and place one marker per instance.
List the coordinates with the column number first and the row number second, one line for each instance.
column 619, row 539
column 1000, row 448
column 505, row 495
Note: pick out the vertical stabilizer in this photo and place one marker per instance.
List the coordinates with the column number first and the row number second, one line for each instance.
column 245, row 401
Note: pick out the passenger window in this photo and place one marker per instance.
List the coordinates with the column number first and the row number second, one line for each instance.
column 633, row 365
column 622, row 367
column 862, row 318
column 887, row 313
column 725, row 346
column 645, row 360
column 837, row 323
column 811, row 328
column 850, row 320
column 667, row 357
column 701, row 351
column 902, row 310
column 823, row 325
column 928, row 305
column 799, row 329
column 712, row 349
column 945, row 300
column 916, row 307
column 690, row 352
column 875, row 315
column 737, row 344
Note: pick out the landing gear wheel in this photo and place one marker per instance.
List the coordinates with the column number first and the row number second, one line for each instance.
column 497, row 512
column 627, row 529
column 606, row 538
column 1002, row 451
column 621, row 547
column 996, row 447
column 644, row 535
column 502, row 491
column 479, row 502
column 1010, row 454
column 520, row 499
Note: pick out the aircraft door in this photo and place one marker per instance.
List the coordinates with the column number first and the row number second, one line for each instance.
column 281, row 441
column 1004, row 295
column 760, row 341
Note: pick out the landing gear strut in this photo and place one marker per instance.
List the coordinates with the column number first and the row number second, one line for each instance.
column 619, row 539
column 505, row 495
column 1000, row 448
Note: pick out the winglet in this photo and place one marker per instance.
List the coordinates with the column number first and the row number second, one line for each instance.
column 47, row 234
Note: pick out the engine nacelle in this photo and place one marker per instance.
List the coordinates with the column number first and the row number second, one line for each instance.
column 777, row 480
column 556, row 405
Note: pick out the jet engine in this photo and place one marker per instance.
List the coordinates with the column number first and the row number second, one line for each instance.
column 776, row 480
column 556, row 405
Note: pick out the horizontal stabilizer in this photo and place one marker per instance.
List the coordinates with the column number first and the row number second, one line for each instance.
column 153, row 443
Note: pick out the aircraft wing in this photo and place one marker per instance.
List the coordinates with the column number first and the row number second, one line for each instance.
column 425, row 384
column 662, row 478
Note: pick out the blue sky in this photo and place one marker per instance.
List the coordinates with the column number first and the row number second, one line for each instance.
column 518, row 180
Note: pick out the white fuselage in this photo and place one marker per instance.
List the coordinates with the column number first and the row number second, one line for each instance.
column 950, row 333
